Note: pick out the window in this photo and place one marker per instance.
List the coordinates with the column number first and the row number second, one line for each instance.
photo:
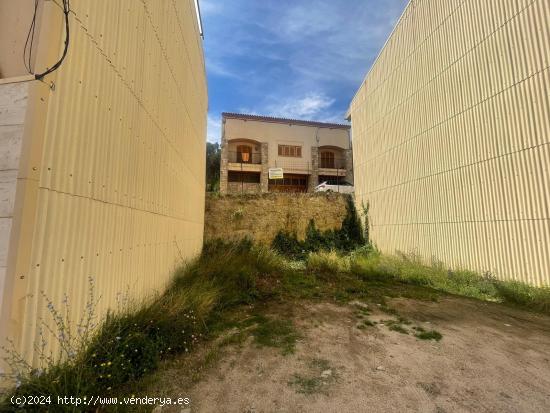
column 327, row 160
column 290, row 183
column 290, row 151
column 244, row 154
column 245, row 177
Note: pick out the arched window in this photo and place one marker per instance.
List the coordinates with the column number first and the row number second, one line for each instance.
column 244, row 154
column 327, row 160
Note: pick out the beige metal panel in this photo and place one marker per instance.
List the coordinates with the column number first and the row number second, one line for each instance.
column 451, row 136
column 15, row 21
column 114, row 172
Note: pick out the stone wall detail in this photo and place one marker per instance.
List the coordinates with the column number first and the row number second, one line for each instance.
column 314, row 176
column 224, row 163
column 262, row 216
column 264, row 178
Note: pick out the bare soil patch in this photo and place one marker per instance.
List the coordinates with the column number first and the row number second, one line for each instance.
column 491, row 358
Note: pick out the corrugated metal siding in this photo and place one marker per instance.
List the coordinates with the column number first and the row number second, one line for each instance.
column 451, row 136
column 121, row 176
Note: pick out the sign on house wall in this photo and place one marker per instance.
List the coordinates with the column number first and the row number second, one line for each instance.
column 276, row 173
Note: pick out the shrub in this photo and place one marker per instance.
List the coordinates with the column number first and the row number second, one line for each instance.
column 326, row 263
column 351, row 234
column 349, row 237
column 518, row 293
column 287, row 243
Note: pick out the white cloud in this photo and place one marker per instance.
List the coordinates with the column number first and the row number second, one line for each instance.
column 309, row 106
column 335, row 41
column 218, row 68
column 214, row 128
column 300, row 59
column 210, row 7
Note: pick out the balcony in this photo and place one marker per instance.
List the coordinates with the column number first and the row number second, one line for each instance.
column 244, row 161
column 331, row 166
column 332, row 163
column 254, row 158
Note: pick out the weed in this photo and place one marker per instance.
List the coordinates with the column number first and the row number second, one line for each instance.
column 403, row 320
column 326, row 264
column 371, row 266
column 306, row 385
column 391, row 311
column 321, row 374
column 521, row 294
column 287, row 243
column 394, row 326
column 275, row 333
column 429, row 335
column 237, row 215
column 300, row 285
column 366, row 218
column 320, row 364
column 349, row 237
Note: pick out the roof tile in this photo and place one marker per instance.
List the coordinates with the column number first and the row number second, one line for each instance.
column 230, row 115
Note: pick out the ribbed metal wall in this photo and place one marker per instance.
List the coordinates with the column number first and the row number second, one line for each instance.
column 120, row 194
column 451, row 132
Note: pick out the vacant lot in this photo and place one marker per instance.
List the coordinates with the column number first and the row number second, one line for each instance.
column 360, row 356
column 243, row 329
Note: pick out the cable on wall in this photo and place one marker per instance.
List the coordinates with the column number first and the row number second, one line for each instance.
column 29, row 44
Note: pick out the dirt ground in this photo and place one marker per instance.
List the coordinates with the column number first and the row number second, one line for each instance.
column 491, row 359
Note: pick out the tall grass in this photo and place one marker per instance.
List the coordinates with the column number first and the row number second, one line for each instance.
column 410, row 269
column 326, row 263
column 131, row 343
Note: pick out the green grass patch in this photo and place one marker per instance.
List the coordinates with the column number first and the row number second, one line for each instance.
column 428, row 335
column 271, row 332
column 393, row 326
column 326, row 263
column 319, row 377
column 320, row 364
column 306, row 385
column 408, row 270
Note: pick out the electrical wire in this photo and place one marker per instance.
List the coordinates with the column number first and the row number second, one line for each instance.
column 30, row 37
column 29, row 44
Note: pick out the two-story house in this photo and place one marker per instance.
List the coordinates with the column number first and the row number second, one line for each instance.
column 307, row 152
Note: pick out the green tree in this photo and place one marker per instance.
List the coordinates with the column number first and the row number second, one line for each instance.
column 213, row 159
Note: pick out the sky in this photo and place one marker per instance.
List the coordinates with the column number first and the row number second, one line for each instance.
column 299, row 59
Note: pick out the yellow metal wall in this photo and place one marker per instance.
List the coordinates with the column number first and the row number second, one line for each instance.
column 112, row 178
column 451, row 133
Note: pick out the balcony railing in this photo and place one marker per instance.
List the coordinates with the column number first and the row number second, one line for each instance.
column 334, row 163
column 245, row 158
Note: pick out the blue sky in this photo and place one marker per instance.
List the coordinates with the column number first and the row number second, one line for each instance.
column 291, row 58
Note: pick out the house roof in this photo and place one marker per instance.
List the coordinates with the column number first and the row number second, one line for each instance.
column 227, row 115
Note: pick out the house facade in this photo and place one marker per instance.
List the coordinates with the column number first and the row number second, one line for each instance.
column 307, row 152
